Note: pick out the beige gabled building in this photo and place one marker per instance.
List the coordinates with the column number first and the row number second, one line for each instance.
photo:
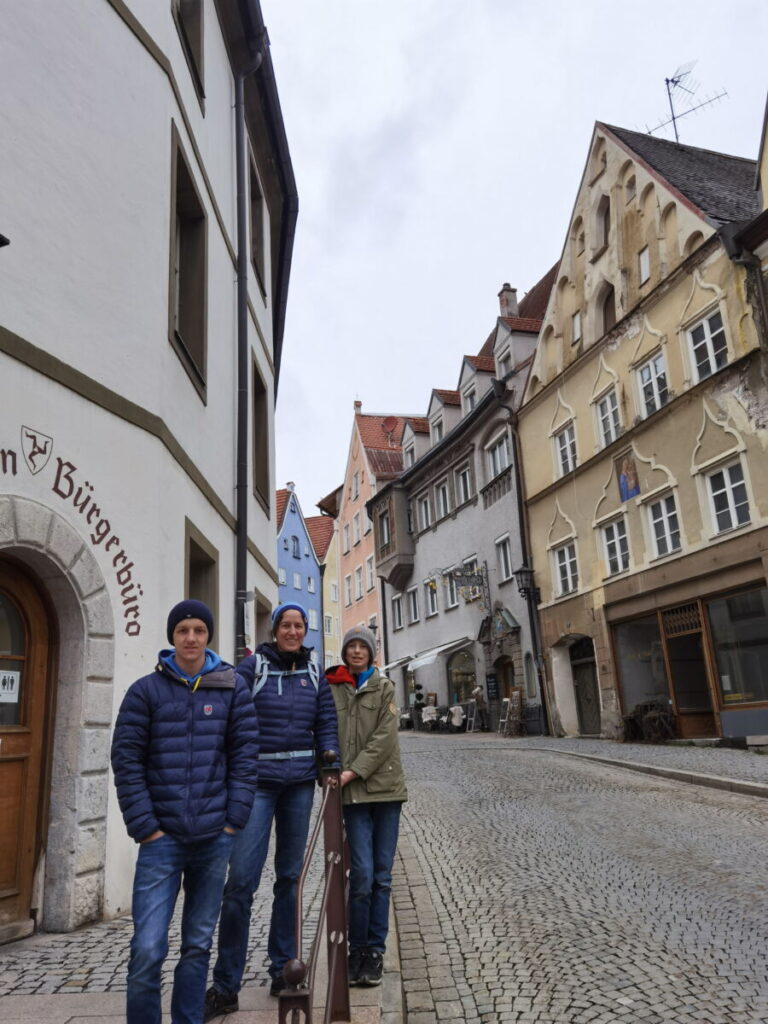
column 644, row 438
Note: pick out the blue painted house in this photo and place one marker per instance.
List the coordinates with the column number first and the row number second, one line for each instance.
column 298, row 567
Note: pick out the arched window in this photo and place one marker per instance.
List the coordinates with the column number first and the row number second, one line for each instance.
column 603, row 222
column 295, row 550
column 608, row 309
column 461, row 677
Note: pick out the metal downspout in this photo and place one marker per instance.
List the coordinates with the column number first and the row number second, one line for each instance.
column 241, row 480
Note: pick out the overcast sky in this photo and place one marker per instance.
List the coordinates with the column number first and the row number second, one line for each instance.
column 438, row 146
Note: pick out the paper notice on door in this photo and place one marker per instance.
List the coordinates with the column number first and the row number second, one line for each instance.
column 9, row 686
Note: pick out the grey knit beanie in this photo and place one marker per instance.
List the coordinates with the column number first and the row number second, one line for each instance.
column 364, row 635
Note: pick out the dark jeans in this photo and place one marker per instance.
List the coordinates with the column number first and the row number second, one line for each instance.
column 372, row 831
column 160, row 868
column 290, row 808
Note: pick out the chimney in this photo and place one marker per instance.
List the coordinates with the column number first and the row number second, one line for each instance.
column 290, row 486
column 358, row 405
column 508, row 301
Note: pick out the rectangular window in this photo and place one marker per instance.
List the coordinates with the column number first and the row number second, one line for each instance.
column 201, row 568
column 567, row 570
column 425, row 513
column 437, row 430
column 666, row 529
column 644, row 264
column 282, row 578
column 739, row 627
column 356, row 528
column 385, row 535
column 443, row 499
column 312, row 616
column 370, row 577
column 730, row 503
column 710, row 352
column 188, row 278
column 451, row 596
column 347, row 590
column 504, row 559
column 335, row 592
column 397, row 612
column 355, row 486
column 297, row 581
column 345, row 535
column 328, row 625
column 409, row 455
column 498, row 456
column 608, row 418
column 505, row 364
column 565, row 443
column 413, row 606
column 358, row 582
column 470, row 399
column 576, row 327
column 471, row 593
column 188, row 15
column 463, row 485
column 261, row 445
column 257, row 228
column 616, row 546
column 430, row 598
column 652, row 377
column 310, row 584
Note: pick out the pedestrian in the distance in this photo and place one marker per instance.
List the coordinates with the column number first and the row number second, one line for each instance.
column 373, row 794
column 478, row 696
column 184, row 754
column 297, row 724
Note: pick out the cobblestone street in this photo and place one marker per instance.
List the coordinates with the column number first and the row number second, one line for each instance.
column 533, row 887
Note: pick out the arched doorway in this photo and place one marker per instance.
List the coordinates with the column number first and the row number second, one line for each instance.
column 505, row 675
column 584, row 670
column 461, row 677
column 25, row 701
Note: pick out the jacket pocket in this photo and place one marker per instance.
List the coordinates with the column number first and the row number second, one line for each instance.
column 383, row 780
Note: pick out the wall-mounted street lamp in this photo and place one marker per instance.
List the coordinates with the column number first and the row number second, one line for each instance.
column 525, row 587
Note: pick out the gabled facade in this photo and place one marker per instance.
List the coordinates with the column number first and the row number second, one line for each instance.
column 118, row 440
column 448, row 539
column 325, row 540
column 298, row 566
column 643, row 444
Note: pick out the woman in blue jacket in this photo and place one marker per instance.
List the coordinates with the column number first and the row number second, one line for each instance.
column 297, row 723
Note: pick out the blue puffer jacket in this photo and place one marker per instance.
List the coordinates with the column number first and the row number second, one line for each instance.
column 296, row 718
column 185, row 760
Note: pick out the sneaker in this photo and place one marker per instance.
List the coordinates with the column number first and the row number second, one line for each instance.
column 372, row 968
column 217, row 1003
column 278, row 985
column 354, row 964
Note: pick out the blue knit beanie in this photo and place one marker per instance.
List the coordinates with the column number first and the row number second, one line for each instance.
column 190, row 610
column 278, row 613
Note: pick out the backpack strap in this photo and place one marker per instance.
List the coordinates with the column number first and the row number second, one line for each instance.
column 260, row 674
column 262, row 671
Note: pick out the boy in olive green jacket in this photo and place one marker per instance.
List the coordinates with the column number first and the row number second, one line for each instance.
column 373, row 793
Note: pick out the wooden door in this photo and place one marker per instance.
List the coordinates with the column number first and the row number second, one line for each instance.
column 585, row 686
column 24, row 658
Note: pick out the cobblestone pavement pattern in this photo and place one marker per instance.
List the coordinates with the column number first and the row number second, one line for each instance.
column 95, row 958
column 534, row 888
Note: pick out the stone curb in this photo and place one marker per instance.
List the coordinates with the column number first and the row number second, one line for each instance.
column 677, row 774
column 392, row 999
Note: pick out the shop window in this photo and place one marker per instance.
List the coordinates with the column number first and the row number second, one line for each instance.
column 640, row 659
column 739, row 628
column 461, row 677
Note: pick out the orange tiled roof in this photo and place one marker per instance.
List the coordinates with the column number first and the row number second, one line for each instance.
column 331, row 502
column 379, row 431
column 525, row 324
column 485, row 364
column 534, row 303
column 419, row 424
column 386, row 464
column 320, row 529
column 447, row 397
column 281, row 504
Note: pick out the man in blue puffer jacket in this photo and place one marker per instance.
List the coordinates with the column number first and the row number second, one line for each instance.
column 184, row 754
column 297, row 723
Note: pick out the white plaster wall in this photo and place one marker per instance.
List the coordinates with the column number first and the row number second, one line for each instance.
column 565, row 695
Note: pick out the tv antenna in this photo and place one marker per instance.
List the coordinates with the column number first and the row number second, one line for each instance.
column 682, row 89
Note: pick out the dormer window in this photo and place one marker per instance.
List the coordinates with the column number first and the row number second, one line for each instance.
column 505, row 364
column 409, row 455
column 437, row 430
column 470, row 399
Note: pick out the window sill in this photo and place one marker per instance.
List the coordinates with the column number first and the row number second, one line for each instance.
column 431, row 615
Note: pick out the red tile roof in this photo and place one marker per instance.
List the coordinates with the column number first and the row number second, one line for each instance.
column 534, row 303
column 331, row 502
column 484, row 364
column 320, row 529
column 281, row 504
column 486, row 352
column 379, row 430
column 447, row 397
column 526, row 325
column 386, row 464
column 419, row 424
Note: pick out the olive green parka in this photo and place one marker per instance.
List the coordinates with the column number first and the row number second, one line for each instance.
column 368, row 723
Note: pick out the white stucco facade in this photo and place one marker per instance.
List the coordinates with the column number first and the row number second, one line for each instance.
column 117, row 471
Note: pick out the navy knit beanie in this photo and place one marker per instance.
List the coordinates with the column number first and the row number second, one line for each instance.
column 278, row 613
column 190, row 610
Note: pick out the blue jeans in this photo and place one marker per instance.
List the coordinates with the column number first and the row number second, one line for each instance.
column 160, row 868
column 372, row 831
column 290, row 807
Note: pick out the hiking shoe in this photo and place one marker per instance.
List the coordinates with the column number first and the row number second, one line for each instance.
column 217, row 1003
column 372, row 967
column 278, row 985
column 354, row 965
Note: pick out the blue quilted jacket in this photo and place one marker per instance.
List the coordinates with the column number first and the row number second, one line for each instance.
column 185, row 760
column 297, row 720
